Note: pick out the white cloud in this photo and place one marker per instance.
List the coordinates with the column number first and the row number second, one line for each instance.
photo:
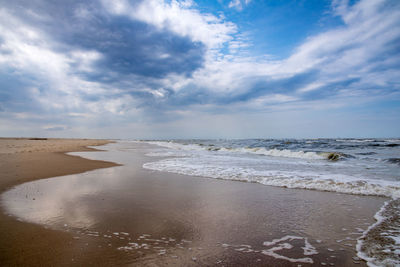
column 311, row 87
column 32, row 52
column 238, row 4
column 180, row 17
column 347, row 52
column 355, row 50
column 343, row 52
column 235, row 4
column 368, row 29
column 85, row 60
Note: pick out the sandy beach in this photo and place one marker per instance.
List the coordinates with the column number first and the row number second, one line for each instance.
column 200, row 133
column 155, row 218
column 23, row 160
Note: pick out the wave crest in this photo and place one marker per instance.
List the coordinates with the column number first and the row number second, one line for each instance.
column 286, row 153
column 287, row 179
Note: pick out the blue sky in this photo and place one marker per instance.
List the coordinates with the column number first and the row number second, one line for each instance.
column 200, row 69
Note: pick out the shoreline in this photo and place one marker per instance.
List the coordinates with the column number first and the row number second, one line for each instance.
column 170, row 210
column 31, row 151
column 28, row 159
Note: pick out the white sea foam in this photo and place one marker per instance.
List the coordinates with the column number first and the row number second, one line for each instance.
column 291, row 179
column 282, row 244
column 355, row 140
column 379, row 245
column 257, row 150
column 167, row 154
column 285, row 168
column 285, row 153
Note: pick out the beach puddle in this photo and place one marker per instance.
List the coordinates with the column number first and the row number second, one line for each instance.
column 149, row 217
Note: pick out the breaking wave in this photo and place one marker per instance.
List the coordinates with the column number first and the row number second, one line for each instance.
column 370, row 168
column 333, row 156
column 394, row 161
column 288, row 179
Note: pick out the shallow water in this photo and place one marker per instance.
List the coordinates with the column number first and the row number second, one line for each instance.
column 152, row 217
column 356, row 166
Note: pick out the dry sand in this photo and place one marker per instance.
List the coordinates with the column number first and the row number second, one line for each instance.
column 23, row 160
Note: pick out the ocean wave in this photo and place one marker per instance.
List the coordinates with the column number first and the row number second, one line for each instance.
column 286, row 153
column 373, row 175
column 288, row 179
column 394, row 161
column 356, row 140
column 366, row 153
column 392, row 140
column 392, row 145
column 384, row 145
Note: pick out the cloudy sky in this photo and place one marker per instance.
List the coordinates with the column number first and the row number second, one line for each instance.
column 200, row 69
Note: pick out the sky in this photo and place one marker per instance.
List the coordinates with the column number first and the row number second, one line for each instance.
column 154, row 69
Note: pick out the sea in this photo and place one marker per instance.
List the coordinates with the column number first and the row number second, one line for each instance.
column 351, row 166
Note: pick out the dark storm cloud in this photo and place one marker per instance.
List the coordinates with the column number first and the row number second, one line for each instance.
column 133, row 55
column 127, row 46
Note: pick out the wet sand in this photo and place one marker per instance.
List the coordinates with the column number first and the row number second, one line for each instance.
column 23, row 160
column 131, row 216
